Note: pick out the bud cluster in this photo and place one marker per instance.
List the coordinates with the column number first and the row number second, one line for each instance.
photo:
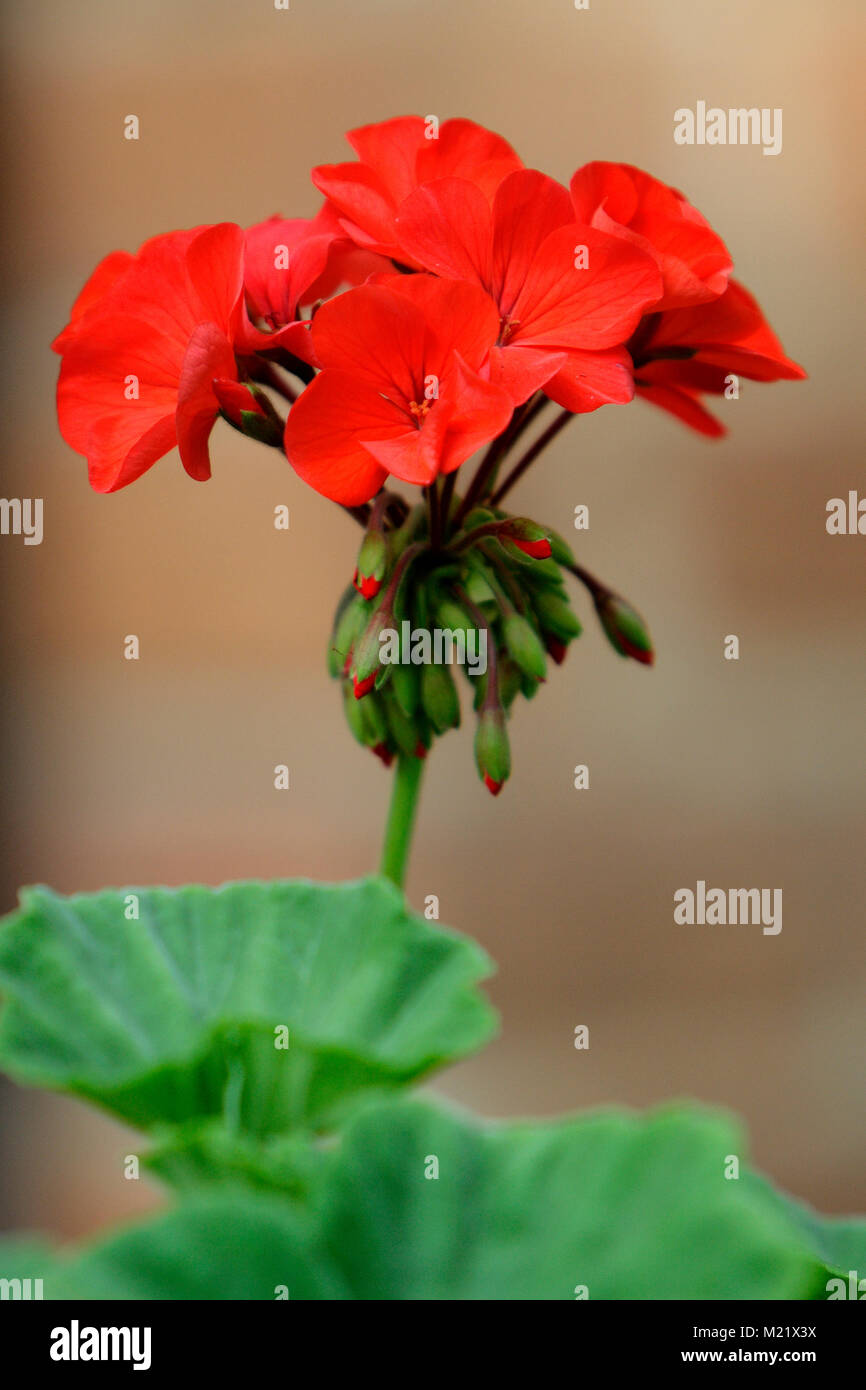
column 498, row 588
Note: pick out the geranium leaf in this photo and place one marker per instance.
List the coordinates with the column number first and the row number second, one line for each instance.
column 273, row 1006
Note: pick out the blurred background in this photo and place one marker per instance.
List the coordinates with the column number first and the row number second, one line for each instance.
column 747, row 773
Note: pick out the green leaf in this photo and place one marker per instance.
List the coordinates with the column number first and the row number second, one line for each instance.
column 629, row 1206
column 172, row 1017
column 838, row 1241
column 235, row 1245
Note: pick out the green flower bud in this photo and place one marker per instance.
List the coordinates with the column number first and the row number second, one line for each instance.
column 625, row 628
column 403, row 730
column 561, row 550
column 351, row 619
column 492, row 752
column 375, row 722
column 525, row 646
column 451, row 617
column 406, row 687
column 366, row 659
column 510, row 681
column 439, row 698
column 479, row 516
column 555, row 615
column 354, row 715
column 372, row 563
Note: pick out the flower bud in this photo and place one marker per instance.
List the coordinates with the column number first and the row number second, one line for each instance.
column 492, row 753
column 555, row 649
column 350, row 620
column 561, row 550
column 403, row 730
column 406, row 685
column 624, row 627
column 509, row 680
column 363, row 687
column 524, row 645
column 372, row 563
column 479, row 516
column 527, row 536
column 439, row 698
column 555, row 615
column 367, row 654
column 248, row 409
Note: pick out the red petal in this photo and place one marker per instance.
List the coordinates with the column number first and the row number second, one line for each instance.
column 528, row 207
column 322, row 436
column 446, row 227
column 209, row 355
column 597, row 307
column 588, row 380
column 104, row 277
column 685, row 407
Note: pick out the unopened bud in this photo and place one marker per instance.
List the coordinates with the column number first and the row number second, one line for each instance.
column 439, row 698
column 625, row 628
column 406, row 686
column 555, row 615
column 525, row 646
column 351, row 618
column 492, row 752
column 527, row 536
column 248, row 409
column 403, row 730
column 372, row 563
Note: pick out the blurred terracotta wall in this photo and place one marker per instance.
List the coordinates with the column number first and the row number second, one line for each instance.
column 740, row 773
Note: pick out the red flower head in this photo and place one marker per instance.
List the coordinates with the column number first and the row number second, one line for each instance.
column 567, row 296
column 679, row 355
column 625, row 201
column 396, row 157
column 402, row 390
column 147, row 337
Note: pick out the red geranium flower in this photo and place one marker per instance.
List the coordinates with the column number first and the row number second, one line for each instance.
column 617, row 198
column 567, row 295
column 682, row 354
column 148, row 335
column 402, row 390
column 397, row 156
column 290, row 262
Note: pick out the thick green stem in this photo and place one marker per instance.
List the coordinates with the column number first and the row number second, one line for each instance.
column 401, row 818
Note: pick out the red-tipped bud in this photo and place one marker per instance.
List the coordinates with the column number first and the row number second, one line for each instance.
column 556, row 649
column 527, row 536
column 625, row 628
column 367, row 585
column 492, row 753
column 248, row 409
column 383, row 753
column 362, row 687
column 372, row 558
column 420, row 750
column 538, row 550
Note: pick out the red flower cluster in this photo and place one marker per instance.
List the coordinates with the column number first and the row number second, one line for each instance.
column 458, row 285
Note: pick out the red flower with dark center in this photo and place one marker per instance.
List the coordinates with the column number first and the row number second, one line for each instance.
column 617, row 198
column 682, row 354
column 402, row 390
column 397, row 156
column 567, row 295
column 148, row 335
